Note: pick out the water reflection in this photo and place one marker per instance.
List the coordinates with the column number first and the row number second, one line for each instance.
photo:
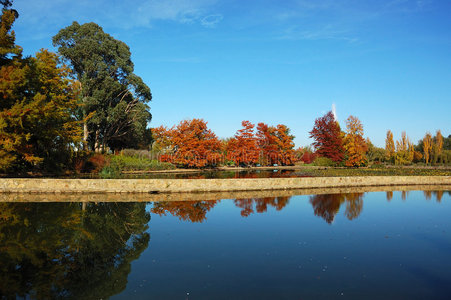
column 327, row 206
column 193, row 211
column 85, row 250
column 76, row 250
column 437, row 194
column 261, row 205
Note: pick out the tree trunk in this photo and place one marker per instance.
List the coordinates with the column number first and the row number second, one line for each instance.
column 97, row 144
column 85, row 135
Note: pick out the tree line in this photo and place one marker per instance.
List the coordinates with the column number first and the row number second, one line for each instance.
column 57, row 109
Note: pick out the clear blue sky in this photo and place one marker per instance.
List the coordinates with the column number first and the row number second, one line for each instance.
column 386, row 62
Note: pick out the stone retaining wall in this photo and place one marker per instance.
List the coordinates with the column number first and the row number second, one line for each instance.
column 155, row 186
column 206, row 196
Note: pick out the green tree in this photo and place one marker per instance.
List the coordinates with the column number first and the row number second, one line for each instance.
column 114, row 99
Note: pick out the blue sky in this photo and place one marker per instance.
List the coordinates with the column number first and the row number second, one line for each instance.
column 386, row 62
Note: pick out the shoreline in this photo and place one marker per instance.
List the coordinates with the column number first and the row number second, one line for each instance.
column 165, row 186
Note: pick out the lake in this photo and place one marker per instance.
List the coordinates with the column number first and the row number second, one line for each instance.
column 375, row 245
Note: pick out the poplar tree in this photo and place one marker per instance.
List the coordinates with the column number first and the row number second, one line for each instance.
column 389, row 146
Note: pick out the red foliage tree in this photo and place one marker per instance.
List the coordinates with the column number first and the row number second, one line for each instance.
column 328, row 137
column 243, row 149
column 305, row 155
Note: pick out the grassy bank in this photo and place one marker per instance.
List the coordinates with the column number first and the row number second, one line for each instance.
column 387, row 171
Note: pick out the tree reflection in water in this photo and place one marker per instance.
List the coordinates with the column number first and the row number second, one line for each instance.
column 438, row 195
column 327, row 206
column 261, row 204
column 69, row 250
column 194, row 211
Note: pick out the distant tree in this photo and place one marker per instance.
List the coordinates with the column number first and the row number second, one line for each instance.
column 404, row 150
column 285, row 145
column 389, row 146
column 266, row 140
column 303, row 154
column 161, row 137
column 243, row 148
column 194, row 145
column 328, row 139
column 437, row 146
column 354, row 143
column 374, row 154
column 114, row 100
column 427, row 147
column 447, row 143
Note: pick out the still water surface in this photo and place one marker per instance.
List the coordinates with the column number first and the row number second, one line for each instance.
column 393, row 245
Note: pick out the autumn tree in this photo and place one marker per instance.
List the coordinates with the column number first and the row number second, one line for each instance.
column 8, row 48
column 161, row 139
column 404, row 150
column 427, row 147
column 194, row 145
column 266, row 140
column 328, row 140
column 243, row 148
column 114, row 100
column 37, row 106
column 437, row 147
column 389, row 146
column 354, row 143
column 285, row 145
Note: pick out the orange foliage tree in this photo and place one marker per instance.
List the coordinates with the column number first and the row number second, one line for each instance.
column 267, row 144
column 285, row 145
column 243, row 148
column 276, row 144
column 354, row 143
column 193, row 145
column 161, row 136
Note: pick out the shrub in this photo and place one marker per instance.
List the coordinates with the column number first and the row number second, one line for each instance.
column 324, row 162
column 120, row 163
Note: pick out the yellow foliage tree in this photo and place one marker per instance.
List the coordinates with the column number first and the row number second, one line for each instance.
column 354, row 143
column 437, row 146
column 404, row 150
column 389, row 146
column 427, row 146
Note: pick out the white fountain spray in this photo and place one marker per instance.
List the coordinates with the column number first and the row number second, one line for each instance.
column 334, row 111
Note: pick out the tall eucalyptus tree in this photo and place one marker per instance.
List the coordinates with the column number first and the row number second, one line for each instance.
column 114, row 99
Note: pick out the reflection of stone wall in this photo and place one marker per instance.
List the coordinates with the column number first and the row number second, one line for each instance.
column 12, row 185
